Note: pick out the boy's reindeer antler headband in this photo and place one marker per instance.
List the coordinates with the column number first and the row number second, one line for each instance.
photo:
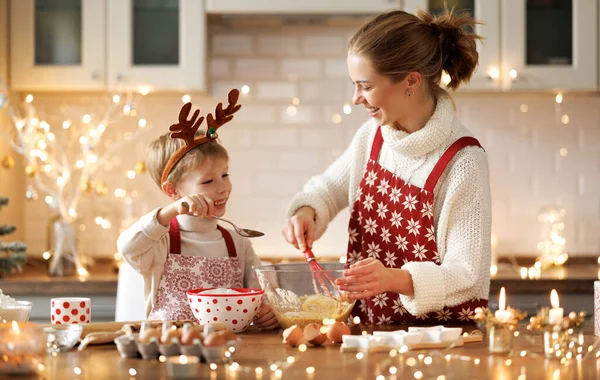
column 186, row 129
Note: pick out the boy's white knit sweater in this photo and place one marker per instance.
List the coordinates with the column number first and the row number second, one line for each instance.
column 145, row 245
column 462, row 214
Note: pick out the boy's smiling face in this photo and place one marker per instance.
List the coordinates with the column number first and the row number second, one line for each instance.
column 211, row 179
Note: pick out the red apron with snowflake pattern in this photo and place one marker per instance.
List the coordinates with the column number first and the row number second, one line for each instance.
column 183, row 273
column 392, row 221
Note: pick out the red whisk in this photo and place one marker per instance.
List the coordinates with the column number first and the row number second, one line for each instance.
column 321, row 278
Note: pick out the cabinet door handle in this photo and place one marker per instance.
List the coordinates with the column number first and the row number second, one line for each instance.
column 119, row 77
column 94, row 75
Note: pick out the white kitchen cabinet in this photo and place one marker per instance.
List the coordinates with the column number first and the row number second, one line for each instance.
column 299, row 6
column 487, row 12
column 57, row 45
column 157, row 44
column 549, row 44
column 107, row 44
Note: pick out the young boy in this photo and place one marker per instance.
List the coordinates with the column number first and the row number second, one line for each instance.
column 180, row 246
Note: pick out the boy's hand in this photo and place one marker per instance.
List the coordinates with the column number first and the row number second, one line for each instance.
column 265, row 318
column 197, row 205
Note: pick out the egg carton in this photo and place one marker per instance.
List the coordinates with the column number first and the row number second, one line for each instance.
column 129, row 346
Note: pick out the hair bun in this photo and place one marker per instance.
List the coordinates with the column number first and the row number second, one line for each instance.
column 458, row 48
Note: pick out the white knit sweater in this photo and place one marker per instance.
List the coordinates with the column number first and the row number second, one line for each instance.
column 462, row 204
column 145, row 245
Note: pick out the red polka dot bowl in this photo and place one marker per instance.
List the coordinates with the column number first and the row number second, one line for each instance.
column 235, row 307
column 70, row 310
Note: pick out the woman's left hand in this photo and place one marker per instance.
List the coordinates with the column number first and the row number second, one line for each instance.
column 366, row 278
column 265, row 318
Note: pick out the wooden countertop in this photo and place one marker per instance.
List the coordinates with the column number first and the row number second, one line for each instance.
column 578, row 278
column 261, row 349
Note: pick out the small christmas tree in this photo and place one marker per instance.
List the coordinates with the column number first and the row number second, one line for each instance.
column 12, row 254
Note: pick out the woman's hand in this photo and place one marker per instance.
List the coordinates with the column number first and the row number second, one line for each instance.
column 369, row 277
column 265, row 318
column 299, row 230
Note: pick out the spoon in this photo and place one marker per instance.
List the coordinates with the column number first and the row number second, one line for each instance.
column 245, row 232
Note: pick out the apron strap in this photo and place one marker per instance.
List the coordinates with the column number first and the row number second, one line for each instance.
column 228, row 241
column 377, row 143
column 439, row 168
column 174, row 237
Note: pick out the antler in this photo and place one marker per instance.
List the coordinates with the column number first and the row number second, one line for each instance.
column 222, row 116
column 186, row 129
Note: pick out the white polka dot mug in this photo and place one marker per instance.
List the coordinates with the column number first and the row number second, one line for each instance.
column 70, row 310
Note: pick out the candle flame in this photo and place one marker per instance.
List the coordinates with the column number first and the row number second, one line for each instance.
column 183, row 359
column 554, row 299
column 502, row 301
column 15, row 327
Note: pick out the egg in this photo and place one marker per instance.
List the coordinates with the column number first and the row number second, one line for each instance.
column 148, row 334
column 215, row 340
column 336, row 330
column 313, row 334
column 190, row 333
column 292, row 336
column 169, row 333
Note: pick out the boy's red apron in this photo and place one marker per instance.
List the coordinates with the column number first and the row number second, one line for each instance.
column 392, row 221
column 182, row 273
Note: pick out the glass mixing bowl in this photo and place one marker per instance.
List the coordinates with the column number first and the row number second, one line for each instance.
column 296, row 300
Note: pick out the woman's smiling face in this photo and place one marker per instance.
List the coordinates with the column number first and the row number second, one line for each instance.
column 383, row 99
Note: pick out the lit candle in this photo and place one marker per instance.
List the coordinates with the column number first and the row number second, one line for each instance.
column 503, row 315
column 556, row 314
column 182, row 366
column 25, row 348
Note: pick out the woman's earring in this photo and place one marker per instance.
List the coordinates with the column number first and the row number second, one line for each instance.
column 409, row 93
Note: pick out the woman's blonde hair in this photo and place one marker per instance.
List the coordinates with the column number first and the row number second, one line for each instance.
column 398, row 43
column 161, row 149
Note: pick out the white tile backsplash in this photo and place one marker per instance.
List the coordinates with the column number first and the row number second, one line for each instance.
column 274, row 150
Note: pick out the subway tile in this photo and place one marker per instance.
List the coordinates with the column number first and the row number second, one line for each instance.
column 301, row 161
column 280, row 137
column 220, row 68
column 276, row 90
column 301, row 68
column 274, row 183
column 324, row 45
column 233, row 44
column 301, row 114
column 336, row 68
column 278, row 45
column 255, row 68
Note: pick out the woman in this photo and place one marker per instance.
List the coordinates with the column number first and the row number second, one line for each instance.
column 418, row 183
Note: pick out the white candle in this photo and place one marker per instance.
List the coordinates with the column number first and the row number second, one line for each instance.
column 503, row 315
column 556, row 314
column 182, row 366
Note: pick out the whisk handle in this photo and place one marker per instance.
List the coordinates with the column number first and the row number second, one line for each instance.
column 308, row 255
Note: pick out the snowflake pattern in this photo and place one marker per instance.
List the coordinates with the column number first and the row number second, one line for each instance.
column 373, row 250
column 396, row 219
column 443, row 315
column 427, row 210
column 383, row 186
column 430, row 235
column 389, row 216
column 401, row 243
column 371, row 226
column 385, row 235
column 352, row 235
column 380, row 300
column 368, row 202
column 371, row 178
column 398, row 308
column 395, row 194
column 390, row 259
column 420, row 251
column 413, row 227
column 381, row 210
column 410, row 202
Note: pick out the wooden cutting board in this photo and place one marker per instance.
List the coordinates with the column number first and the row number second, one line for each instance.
column 95, row 327
column 422, row 345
